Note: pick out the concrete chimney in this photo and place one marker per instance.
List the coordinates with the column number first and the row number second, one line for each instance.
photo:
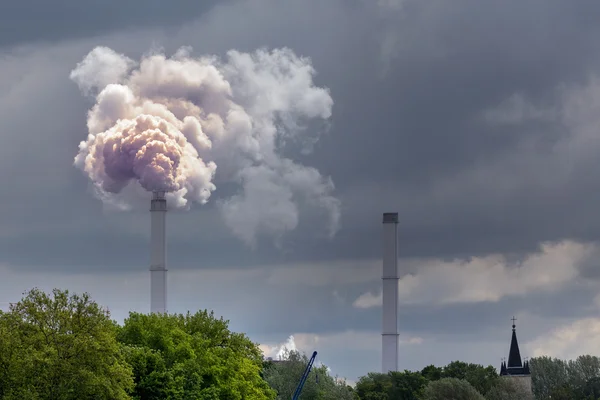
column 389, row 333
column 158, row 253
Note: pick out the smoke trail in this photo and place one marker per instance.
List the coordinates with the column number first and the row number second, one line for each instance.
column 167, row 123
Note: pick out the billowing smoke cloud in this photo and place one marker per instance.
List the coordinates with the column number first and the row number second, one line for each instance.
column 280, row 351
column 184, row 125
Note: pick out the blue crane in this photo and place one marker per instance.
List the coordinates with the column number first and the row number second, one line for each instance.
column 296, row 395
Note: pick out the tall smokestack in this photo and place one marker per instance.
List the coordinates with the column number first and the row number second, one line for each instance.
column 158, row 252
column 389, row 334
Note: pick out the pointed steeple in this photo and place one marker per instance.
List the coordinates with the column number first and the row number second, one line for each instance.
column 514, row 355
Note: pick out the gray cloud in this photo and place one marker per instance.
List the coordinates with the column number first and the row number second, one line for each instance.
column 24, row 22
column 410, row 140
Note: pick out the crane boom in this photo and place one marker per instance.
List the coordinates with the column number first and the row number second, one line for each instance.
column 296, row 395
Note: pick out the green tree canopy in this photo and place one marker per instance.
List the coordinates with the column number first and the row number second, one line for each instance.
column 432, row 373
column 451, row 389
column 285, row 374
column 480, row 377
column 410, row 385
column 406, row 385
column 374, row 386
column 182, row 357
column 60, row 346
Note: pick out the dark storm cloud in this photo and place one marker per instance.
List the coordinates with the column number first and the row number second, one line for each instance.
column 397, row 138
column 24, row 22
column 453, row 59
column 406, row 133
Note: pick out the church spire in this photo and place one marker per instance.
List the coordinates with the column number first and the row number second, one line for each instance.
column 515, row 368
column 514, row 355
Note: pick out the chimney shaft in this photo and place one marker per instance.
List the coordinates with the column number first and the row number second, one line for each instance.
column 389, row 334
column 158, row 253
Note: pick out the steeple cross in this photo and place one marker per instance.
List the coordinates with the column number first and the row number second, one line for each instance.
column 513, row 319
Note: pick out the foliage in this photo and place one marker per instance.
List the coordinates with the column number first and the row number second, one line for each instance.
column 410, row 385
column 480, row 377
column 577, row 379
column 404, row 385
column 432, row 373
column 374, row 386
column 552, row 378
column 509, row 389
column 65, row 347
column 284, row 376
column 584, row 377
column 60, row 347
column 451, row 389
column 191, row 357
column 548, row 375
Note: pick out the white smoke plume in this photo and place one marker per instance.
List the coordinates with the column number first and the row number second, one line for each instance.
column 280, row 351
column 184, row 125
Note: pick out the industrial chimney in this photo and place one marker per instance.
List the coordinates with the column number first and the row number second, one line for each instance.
column 389, row 334
column 158, row 252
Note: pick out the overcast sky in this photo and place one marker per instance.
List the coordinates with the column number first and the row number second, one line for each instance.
column 477, row 124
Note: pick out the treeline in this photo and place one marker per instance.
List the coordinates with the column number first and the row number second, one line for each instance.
column 457, row 380
column 62, row 346
column 551, row 378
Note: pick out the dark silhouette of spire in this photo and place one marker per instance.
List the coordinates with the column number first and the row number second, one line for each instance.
column 514, row 366
column 514, row 355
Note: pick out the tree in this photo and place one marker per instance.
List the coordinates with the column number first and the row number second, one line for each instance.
column 584, row 376
column 562, row 393
column 451, row 389
column 590, row 389
column 480, row 377
column 410, row 385
column 284, row 376
column 406, row 385
column 549, row 377
column 432, row 373
column 152, row 379
column 60, row 347
column 191, row 357
column 394, row 385
column 509, row 389
column 374, row 386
